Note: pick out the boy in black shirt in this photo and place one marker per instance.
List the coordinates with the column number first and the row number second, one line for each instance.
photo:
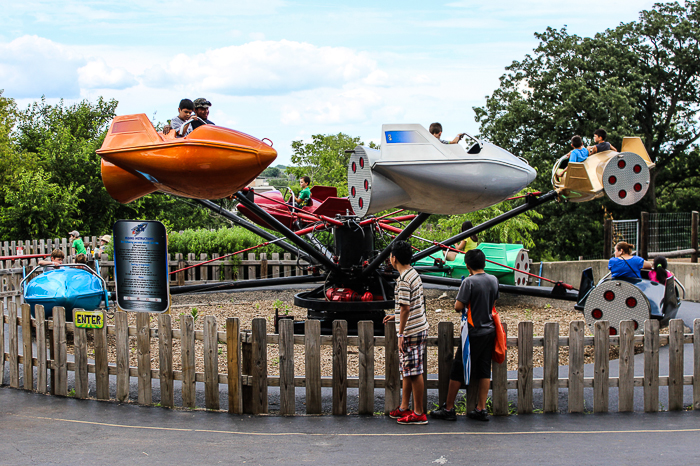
column 601, row 145
column 475, row 300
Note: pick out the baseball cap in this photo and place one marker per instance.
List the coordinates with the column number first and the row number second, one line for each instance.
column 201, row 103
column 74, row 233
column 106, row 238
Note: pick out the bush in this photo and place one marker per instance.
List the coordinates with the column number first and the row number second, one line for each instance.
column 221, row 241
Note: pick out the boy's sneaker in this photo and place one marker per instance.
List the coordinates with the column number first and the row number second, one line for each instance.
column 398, row 413
column 444, row 413
column 478, row 415
column 414, row 418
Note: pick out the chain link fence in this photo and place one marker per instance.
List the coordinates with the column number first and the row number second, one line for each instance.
column 670, row 231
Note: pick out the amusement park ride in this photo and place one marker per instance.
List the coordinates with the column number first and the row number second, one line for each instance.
column 413, row 170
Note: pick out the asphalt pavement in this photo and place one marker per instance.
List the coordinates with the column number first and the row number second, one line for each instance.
column 39, row 429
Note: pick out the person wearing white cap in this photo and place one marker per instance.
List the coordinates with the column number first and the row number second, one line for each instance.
column 104, row 241
column 77, row 243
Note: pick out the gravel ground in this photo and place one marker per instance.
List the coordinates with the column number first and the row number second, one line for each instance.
column 440, row 307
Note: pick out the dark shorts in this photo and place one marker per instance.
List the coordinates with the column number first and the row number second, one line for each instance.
column 481, row 348
column 411, row 359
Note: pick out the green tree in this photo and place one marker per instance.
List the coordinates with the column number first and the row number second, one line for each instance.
column 325, row 159
column 37, row 206
column 638, row 79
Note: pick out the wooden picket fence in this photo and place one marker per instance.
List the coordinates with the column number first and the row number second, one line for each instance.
column 247, row 366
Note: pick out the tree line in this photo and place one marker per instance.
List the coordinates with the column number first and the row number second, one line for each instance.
column 639, row 79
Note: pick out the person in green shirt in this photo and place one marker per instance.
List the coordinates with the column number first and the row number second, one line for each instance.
column 77, row 243
column 304, row 198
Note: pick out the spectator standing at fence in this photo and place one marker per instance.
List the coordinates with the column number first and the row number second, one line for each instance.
column 412, row 332
column 56, row 258
column 104, row 241
column 475, row 300
column 77, row 243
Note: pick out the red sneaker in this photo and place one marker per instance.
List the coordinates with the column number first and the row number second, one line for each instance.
column 414, row 418
column 398, row 413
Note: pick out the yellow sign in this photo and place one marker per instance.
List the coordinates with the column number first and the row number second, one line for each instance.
column 89, row 319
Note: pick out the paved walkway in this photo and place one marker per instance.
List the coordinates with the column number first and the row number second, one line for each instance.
column 39, row 429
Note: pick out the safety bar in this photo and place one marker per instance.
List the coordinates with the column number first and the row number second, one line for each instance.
column 82, row 266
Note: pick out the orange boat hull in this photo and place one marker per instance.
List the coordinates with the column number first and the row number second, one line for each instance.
column 210, row 163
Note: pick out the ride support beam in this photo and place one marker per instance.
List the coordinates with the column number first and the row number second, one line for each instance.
column 555, row 292
column 531, row 202
column 252, row 228
column 287, row 233
column 405, row 234
column 242, row 284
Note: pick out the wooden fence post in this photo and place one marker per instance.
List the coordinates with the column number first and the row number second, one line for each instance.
column 644, row 235
column 651, row 365
column 607, row 237
column 499, row 383
column 247, row 371
column 392, row 381
column 694, row 236
column 286, row 366
column 187, row 354
column 61, row 358
column 525, row 375
column 80, row 359
column 446, row 352
column 121, row 328
column 675, row 365
column 259, row 367
column 340, row 367
column 696, row 364
column 211, row 363
column 2, row 342
column 576, row 354
column 312, row 340
column 27, row 348
column 41, row 375
column 14, row 346
column 233, row 356
column 551, row 367
column 143, row 356
column 365, row 334
column 165, row 360
column 626, row 367
column 101, row 364
column 601, row 377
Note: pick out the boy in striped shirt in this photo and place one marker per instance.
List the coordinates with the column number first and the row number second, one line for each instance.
column 412, row 333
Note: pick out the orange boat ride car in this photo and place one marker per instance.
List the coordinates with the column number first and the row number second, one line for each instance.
column 211, row 162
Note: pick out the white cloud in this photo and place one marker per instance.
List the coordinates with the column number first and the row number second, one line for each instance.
column 264, row 68
column 98, row 75
column 31, row 66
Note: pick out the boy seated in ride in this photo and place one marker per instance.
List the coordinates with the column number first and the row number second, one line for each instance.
column 304, row 198
column 578, row 154
column 182, row 123
column 599, row 137
column 56, row 258
column 436, row 130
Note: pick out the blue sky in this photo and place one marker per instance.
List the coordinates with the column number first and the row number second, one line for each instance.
column 280, row 69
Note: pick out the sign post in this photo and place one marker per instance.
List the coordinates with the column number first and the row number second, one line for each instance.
column 141, row 266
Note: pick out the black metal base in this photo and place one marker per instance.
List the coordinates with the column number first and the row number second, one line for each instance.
column 350, row 311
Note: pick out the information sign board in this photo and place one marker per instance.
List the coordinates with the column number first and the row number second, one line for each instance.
column 141, row 266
